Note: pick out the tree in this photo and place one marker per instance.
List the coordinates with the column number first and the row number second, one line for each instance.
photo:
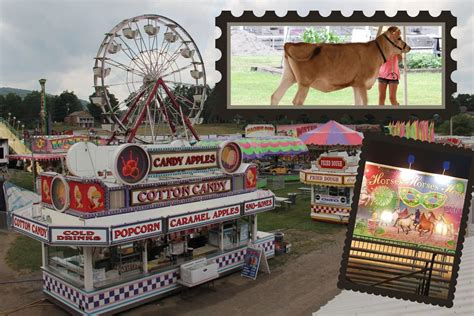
column 96, row 111
column 64, row 104
column 463, row 125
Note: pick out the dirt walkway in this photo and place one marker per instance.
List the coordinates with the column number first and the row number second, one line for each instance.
column 298, row 287
column 15, row 295
column 299, row 284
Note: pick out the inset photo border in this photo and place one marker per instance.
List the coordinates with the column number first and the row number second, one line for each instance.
column 257, row 73
column 408, row 220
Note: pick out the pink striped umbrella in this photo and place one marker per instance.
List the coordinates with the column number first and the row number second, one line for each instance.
column 332, row 133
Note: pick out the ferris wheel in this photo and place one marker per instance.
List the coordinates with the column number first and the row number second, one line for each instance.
column 154, row 69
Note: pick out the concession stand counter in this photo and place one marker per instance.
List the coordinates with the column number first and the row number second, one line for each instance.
column 332, row 177
column 127, row 222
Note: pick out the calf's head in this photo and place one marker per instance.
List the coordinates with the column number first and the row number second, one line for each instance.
column 394, row 38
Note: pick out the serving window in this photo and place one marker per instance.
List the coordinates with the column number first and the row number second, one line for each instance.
column 68, row 262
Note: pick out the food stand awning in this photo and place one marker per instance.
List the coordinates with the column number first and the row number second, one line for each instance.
column 37, row 157
column 256, row 148
column 332, row 133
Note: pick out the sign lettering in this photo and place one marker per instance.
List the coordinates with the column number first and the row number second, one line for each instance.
column 79, row 236
column 220, row 214
column 30, row 227
column 326, row 162
column 136, row 230
column 259, row 205
column 167, row 162
column 183, row 191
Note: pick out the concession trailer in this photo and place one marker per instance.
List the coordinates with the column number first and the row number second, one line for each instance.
column 129, row 223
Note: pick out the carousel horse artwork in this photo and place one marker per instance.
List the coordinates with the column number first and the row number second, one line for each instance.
column 427, row 223
column 405, row 224
column 399, row 214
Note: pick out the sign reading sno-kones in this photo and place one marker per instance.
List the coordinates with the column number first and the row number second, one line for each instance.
column 259, row 205
column 206, row 217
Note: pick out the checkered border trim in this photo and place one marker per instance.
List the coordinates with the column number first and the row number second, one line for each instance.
column 107, row 298
column 237, row 257
column 315, row 208
column 110, row 296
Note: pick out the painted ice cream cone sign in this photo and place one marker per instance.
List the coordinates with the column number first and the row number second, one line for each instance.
column 410, row 206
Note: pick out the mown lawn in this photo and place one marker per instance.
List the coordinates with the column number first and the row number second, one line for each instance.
column 255, row 88
column 24, row 254
column 21, row 178
column 296, row 216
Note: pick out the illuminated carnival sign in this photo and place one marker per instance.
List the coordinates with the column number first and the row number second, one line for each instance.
column 328, row 162
column 178, row 161
column 136, row 231
column 36, row 230
column 131, row 164
column 260, row 130
column 202, row 218
column 230, row 157
column 181, row 191
column 79, row 236
column 259, row 205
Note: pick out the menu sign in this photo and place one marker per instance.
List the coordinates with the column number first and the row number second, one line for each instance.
column 174, row 161
column 324, row 178
column 326, row 162
column 36, row 230
column 259, row 205
column 79, row 236
column 260, row 130
column 179, row 191
column 202, row 218
column 136, row 231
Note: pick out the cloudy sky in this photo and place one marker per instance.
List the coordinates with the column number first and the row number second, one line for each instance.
column 58, row 39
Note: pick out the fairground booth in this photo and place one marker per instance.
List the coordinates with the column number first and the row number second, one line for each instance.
column 132, row 222
column 332, row 177
column 333, row 172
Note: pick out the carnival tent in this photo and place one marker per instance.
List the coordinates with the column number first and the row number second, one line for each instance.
column 332, row 133
column 256, row 148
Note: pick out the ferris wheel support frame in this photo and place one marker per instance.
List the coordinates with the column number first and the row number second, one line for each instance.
column 160, row 82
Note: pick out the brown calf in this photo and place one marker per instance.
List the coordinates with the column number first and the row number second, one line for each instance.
column 331, row 67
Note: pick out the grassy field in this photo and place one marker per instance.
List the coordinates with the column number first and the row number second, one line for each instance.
column 255, row 88
column 21, row 178
column 24, row 254
column 295, row 217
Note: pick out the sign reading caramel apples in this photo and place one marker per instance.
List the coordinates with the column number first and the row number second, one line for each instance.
column 179, row 191
column 210, row 216
column 174, row 161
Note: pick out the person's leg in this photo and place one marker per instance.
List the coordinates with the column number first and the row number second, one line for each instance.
column 382, row 92
column 392, row 90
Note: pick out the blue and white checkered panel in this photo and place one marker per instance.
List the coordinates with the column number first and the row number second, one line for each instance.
column 231, row 258
column 144, row 286
column 57, row 287
column 267, row 246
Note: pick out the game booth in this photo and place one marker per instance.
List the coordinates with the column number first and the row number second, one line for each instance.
column 133, row 222
column 332, row 177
